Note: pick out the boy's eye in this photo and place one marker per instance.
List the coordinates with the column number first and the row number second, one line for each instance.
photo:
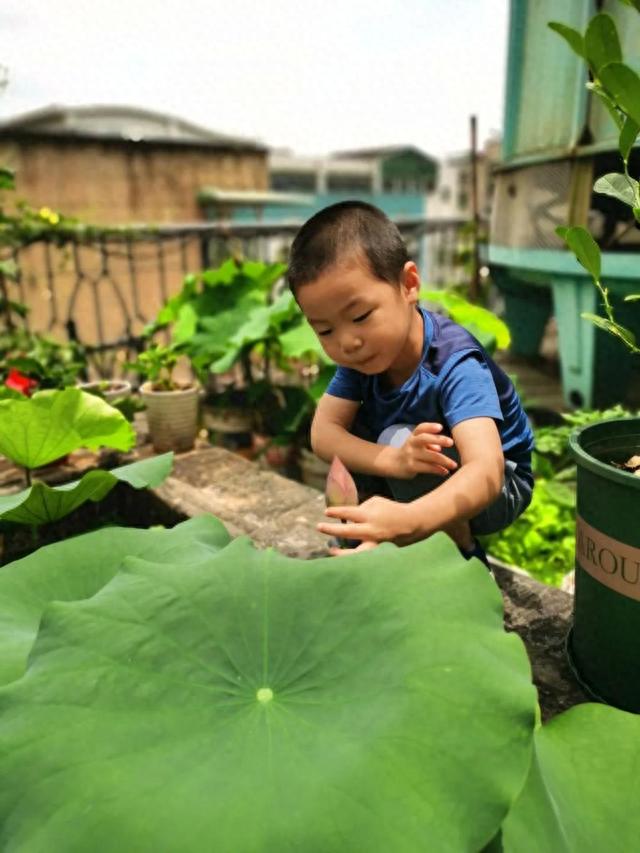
column 323, row 333
column 361, row 317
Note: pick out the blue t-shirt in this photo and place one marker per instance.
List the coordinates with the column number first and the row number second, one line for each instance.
column 454, row 381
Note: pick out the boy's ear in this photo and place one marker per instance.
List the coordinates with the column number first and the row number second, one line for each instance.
column 411, row 281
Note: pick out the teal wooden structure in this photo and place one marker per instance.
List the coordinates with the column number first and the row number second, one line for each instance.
column 557, row 139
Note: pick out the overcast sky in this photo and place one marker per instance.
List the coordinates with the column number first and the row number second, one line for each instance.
column 307, row 75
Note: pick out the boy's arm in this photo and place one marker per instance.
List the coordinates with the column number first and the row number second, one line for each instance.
column 330, row 437
column 462, row 496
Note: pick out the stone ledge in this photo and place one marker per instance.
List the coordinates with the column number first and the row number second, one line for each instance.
column 280, row 513
column 274, row 511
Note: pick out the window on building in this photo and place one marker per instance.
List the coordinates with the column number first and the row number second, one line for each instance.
column 349, row 183
column 293, row 182
column 463, row 201
column 445, row 193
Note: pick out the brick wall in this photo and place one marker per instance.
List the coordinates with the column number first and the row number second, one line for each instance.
column 106, row 182
column 115, row 183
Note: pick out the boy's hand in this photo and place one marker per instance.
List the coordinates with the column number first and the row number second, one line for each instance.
column 376, row 520
column 344, row 552
column 422, row 453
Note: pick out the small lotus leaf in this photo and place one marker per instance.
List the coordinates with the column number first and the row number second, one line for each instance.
column 252, row 702
column 35, row 431
column 40, row 504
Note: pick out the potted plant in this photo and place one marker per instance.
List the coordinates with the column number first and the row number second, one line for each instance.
column 35, row 431
column 46, row 362
column 209, row 310
column 171, row 404
column 605, row 641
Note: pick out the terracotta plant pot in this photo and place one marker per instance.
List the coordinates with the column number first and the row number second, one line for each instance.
column 172, row 417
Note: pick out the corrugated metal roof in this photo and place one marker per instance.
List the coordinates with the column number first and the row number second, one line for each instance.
column 113, row 121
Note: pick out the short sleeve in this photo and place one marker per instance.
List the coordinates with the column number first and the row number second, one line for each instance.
column 468, row 391
column 346, row 383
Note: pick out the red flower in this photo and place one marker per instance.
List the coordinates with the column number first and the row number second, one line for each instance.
column 19, row 382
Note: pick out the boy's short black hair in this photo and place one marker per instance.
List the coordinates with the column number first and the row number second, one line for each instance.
column 343, row 229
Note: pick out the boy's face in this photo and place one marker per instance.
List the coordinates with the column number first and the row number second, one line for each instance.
column 363, row 322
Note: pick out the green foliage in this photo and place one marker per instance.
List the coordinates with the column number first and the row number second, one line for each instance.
column 573, row 38
column 77, row 568
column 588, row 254
column 490, row 330
column 160, row 692
column 601, row 43
column 542, row 540
column 262, row 327
column 628, row 136
column 623, row 85
column 213, row 305
column 231, row 316
column 584, row 248
column 572, row 755
column 618, row 86
column 156, row 364
column 622, row 187
column 7, row 178
column 41, row 504
column 188, row 701
column 51, row 364
column 36, row 431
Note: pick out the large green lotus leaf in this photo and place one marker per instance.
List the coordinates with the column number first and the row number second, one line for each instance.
column 301, row 342
column 252, row 702
column 40, row 504
column 219, row 316
column 582, row 792
column 77, row 568
column 35, row 431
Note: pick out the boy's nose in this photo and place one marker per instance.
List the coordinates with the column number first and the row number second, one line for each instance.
column 351, row 343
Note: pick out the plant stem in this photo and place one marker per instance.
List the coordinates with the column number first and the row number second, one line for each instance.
column 27, row 476
column 245, row 361
column 5, row 298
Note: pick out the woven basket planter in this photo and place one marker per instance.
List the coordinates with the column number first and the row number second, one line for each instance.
column 172, row 417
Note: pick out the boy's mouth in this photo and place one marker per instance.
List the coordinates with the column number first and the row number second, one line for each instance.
column 363, row 362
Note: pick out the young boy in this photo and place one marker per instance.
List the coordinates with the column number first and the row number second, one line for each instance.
column 415, row 399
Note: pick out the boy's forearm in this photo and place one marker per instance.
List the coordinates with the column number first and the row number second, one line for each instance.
column 359, row 455
column 461, row 497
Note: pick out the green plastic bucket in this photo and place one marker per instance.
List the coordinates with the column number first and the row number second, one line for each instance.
column 527, row 308
column 604, row 645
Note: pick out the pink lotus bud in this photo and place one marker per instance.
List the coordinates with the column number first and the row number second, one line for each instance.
column 341, row 489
